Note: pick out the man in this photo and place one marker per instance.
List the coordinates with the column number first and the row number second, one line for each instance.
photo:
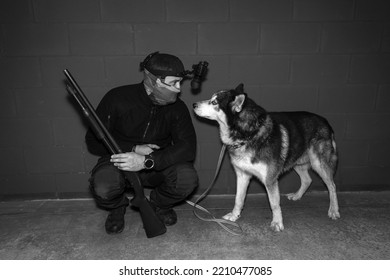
column 153, row 125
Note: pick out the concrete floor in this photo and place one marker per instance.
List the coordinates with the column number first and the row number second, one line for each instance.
column 74, row 229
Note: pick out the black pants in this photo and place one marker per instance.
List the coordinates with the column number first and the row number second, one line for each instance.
column 170, row 186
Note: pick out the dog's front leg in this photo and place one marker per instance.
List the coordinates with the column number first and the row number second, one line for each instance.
column 242, row 186
column 274, row 200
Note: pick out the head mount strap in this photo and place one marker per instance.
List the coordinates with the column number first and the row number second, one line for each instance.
column 144, row 63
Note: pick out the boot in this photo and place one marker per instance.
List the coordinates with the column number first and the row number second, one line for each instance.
column 167, row 215
column 115, row 222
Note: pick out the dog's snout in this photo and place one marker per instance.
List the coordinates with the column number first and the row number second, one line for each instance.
column 195, row 105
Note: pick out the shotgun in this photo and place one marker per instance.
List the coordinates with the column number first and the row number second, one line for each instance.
column 152, row 224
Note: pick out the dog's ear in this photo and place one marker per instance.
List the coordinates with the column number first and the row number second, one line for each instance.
column 237, row 103
column 240, row 88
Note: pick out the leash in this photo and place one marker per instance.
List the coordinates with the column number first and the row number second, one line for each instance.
column 235, row 228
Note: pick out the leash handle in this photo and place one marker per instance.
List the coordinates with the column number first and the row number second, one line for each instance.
column 221, row 222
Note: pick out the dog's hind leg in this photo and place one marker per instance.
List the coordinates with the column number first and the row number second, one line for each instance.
column 274, row 200
column 242, row 186
column 303, row 172
column 325, row 164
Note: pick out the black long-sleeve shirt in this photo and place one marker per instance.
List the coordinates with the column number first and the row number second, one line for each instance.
column 132, row 119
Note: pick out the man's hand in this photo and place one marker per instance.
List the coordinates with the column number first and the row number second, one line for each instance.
column 145, row 149
column 128, row 161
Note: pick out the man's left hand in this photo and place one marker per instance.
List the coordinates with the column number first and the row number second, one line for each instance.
column 128, row 161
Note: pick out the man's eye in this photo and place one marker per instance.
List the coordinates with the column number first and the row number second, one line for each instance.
column 214, row 102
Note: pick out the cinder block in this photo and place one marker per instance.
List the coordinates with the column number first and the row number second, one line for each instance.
column 386, row 39
column 71, row 10
column 228, row 38
column 313, row 69
column 20, row 72
column 347, row 99
column 323, row 10
column 372, row 9
column 172, row 38
column 222, row 186
column 69, row 131
column 94, row 94
column 90, row 160
column 133, row 11
column 72, row 183
column 206, row 131
column 36, row 39
column 370, row 69
column 351, row 37
column 339, row 124
column 16, row 11
column 353, row 153
column 201, row 11
column 26, row 132
column 16, row 184
column 123, row 70
column 289, row 183
column 209, row 152
column 265, row 69
column 383, row 101
column 2, row 40
column 7, row 104
column 385, row 47
column 12, row 161
column 43, row 102
column 368, row 127
column 290, row 38
column 379, row 153
column 88, row 71
column 365, row 175
column 107, row 39
column 289, row 98
column 54, row 160
column 261, row 10
column 253, row 91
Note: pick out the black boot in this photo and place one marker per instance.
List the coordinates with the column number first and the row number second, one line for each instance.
column 166, row 215
column 115, row 222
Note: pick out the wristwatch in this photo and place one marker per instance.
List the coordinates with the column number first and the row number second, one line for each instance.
column 149, row 162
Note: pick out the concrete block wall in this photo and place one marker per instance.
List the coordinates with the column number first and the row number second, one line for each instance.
column 331, row 57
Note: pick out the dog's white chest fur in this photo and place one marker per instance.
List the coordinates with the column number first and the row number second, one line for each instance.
column 242, row 161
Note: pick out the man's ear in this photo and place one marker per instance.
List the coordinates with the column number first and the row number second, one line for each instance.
column 238, row 103
column 240, row 88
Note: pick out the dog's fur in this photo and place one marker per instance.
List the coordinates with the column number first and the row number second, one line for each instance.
column 265, row 145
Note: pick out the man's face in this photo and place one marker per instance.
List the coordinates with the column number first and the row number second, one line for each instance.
column 170, row 82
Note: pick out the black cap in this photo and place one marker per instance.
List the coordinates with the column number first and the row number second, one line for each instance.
column 162, row 65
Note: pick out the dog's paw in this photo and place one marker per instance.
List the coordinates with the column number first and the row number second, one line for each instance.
column 231, row 217
column 333, row 214
column 294, row 196
column 277, row 226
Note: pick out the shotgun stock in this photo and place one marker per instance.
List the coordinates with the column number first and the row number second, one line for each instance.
column 152, row 224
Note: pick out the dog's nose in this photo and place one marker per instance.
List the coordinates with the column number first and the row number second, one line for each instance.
column 195, row 105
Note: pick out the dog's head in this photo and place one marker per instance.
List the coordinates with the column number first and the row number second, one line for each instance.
column 221, row 104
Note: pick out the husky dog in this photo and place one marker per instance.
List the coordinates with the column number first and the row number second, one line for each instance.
column 265, row 145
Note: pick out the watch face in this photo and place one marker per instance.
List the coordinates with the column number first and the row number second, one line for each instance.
column 149, row 163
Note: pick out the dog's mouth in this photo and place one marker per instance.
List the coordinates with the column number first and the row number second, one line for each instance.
column 197, row 108
column 199, row 111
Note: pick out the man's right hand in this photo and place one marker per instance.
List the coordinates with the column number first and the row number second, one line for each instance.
column 145, row 149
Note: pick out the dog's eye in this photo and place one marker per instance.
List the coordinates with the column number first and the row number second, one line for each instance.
column 214, row 102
